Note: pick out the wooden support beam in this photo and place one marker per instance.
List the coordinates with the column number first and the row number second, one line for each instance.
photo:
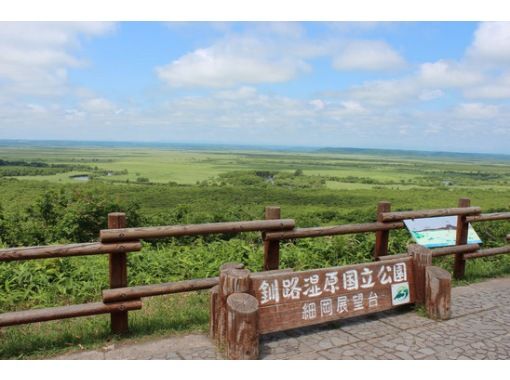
column 332, row 230
column 118, row 275
column 127, row 234
column 57, row 251
column 488, row 252
column 438, row 291
column 62, row 312
column 461, row 239
column 135, row 292
column 381, row 237
column 488, row 217
column 402, row 215
column 272, row 247
column 422, row 258
column 242, row 328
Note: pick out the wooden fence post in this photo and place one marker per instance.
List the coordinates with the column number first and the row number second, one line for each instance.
column 118, row 274
column 232, row 279
column 213, row 311
column 422, row 258
column 381, row 237
column 242, row 327
column 438, row 292
column 462, row 238
column 272, row 247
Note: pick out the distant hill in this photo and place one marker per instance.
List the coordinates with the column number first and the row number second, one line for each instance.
column 415, row 153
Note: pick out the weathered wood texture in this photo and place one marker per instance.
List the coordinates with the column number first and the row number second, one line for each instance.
column 422, row 258
column 232, row 279
column 488, row 252
column 393, row 257
column 381, row 237
column 213, row 311
column 127, row 234
column 272, row 247
column 118, row 274
column 297, row 299
column 465, row 248
column 459, row 265
column 488, row 217
column 62, row 312
column 438, row 289
column 135, row 292
column 402, row 215
column 332, row 230
column 57, row 251
column 242, row 327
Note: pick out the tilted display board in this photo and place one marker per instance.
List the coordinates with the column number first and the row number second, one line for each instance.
column 296, row 299
column 438, row 232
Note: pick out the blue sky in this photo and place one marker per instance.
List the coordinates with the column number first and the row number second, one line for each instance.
column 407, row 85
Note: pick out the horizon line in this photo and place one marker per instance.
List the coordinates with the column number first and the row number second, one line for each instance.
column 244, row 145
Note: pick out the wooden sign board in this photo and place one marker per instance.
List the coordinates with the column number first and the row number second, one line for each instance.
column 295, row 299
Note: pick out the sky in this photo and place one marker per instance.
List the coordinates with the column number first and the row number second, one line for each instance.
column 439, row 86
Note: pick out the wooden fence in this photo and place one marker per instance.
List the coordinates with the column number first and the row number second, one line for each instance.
column 117, row 241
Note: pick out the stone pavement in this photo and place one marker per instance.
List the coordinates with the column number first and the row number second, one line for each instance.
column 479, row 329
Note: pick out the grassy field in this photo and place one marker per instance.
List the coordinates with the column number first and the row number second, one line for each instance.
column 172, row 186
column 190, row 167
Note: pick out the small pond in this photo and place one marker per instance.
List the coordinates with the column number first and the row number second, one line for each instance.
column 83, row 177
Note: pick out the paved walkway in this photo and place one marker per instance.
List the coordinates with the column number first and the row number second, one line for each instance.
column 479, row 329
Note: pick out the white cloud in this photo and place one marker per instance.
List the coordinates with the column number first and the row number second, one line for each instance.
column 35, row 56
column 427, row 95
column 493, row 88
column 97, row 105
column 317, row 104
column 476, row 111
column 444, row 74
column 345, row 109
column 385, row 92
column 489, row 91
column 243, row 92
column 368, row 55
column 491, row 43
column 231, row 62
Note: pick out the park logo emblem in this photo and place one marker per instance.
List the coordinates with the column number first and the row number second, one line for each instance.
column 400, row 293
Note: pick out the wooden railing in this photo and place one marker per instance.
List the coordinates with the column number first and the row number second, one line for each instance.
column 118, row 240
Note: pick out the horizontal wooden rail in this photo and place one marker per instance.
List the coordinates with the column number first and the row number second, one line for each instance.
column 466, row 248
column 393, row 257
column 488, row 252
column 402, row 215
column 52, row 313
column 53, row 251
column 123, row 234
column 136, row 292
column 332, row 230
column 488, row 217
